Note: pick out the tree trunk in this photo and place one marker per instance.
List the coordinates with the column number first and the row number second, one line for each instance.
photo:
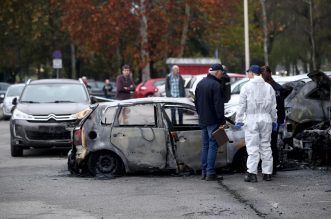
column 185, row 30
column 265, row 31
column 144, row 42
column 73, row 61
column 311, row 34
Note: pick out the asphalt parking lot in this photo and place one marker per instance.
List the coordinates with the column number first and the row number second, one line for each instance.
column 38, row 185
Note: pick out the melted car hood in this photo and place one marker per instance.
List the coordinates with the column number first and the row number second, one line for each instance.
column 51, row 108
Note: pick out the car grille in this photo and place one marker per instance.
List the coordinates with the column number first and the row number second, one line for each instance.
column 45, row 118
column 42, row 135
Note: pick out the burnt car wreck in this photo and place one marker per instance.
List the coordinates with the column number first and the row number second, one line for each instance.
column 138, row 135
column 307, row 134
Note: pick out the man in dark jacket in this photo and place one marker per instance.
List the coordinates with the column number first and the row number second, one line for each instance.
column 279, row 91
column 124, row 84
column 209, row 102
column 174, row 87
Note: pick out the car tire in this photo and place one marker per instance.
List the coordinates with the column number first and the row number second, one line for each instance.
column 105, row 163
column 15, row 150
column 240, row 160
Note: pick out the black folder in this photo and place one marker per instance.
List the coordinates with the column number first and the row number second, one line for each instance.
column 220, row 136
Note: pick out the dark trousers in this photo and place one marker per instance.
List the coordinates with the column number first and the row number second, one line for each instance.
column 173, row 116
column 274, row 149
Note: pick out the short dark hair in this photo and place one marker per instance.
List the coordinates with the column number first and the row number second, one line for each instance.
column 266, row 68
column 125, row 67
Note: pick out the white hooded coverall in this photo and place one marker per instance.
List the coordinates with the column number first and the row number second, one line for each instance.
column 258, row 103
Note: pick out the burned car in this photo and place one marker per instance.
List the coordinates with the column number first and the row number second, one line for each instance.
column 308, row 115
column 138, row 135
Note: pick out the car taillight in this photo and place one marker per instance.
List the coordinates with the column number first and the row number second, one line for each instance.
column 78, row 137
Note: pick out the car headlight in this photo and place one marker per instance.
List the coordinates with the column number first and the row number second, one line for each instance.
column 20, row 115
column 2, row 96
column 82, row 114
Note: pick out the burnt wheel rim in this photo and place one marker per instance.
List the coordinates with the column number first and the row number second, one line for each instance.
column 106, row 163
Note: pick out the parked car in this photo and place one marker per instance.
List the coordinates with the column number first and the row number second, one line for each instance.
column 13, row 91
column 95, row 88
column 197, row 78
column 45, row 112
column 137, row 135
column 148, row 88
column 308, row 103
column 3, row 88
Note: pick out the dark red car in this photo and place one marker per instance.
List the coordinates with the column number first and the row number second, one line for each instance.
column 149, row 87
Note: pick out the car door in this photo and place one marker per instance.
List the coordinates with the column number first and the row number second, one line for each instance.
column 187, row 137
column 136, row 132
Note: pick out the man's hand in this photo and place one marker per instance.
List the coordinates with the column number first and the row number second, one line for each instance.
column 238, row 125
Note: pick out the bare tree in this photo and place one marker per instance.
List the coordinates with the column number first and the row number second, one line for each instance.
column 185, row 30
column 144, row 42
column 265, row 31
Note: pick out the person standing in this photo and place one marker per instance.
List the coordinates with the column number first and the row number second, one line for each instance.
column 279, row 92
column 124, row 84
column 107, row 88
column 258, row 103
column 209, row 103
column 174, row 87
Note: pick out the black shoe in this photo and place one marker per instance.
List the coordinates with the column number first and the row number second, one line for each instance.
column 250, row 177
column 203, row 177
column 214, row 177
column 267, row 177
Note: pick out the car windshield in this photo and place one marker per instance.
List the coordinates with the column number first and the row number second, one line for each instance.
column 54, row 93
column 4, row 86
column 14, row 91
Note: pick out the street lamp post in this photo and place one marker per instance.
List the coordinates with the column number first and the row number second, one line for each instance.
column 247, row 61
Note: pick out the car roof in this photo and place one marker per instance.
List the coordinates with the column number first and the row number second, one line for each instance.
column 16, row 85
column 150, row 100
column 55, row 81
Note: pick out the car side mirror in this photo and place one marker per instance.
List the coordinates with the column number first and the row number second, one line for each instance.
column 93, row 100
column 14, row 101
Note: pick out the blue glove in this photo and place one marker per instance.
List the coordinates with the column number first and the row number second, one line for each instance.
column 238, row 125
column 274, row 126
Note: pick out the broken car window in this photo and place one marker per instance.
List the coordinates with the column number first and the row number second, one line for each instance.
column 138, row 115
column 108, row 116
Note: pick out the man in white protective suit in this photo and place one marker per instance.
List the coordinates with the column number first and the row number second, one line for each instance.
column 258, row 105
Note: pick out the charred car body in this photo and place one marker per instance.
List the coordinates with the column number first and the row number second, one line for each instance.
column 137, row 135
column 308, row 115
column 45, row 112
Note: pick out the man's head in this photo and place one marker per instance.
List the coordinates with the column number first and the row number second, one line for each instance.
column 126, row 70
column 253, row 70
column 175, row 70
column 107, row 81
column 217, row 70
column 266, row 73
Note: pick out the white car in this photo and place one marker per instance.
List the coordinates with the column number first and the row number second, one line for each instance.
column 13, row 91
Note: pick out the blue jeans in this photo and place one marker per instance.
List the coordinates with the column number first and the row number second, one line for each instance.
column 209, row 151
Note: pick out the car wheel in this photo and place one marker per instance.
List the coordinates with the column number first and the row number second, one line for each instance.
column 105, row 163
column 15, row 150
column 240, row 160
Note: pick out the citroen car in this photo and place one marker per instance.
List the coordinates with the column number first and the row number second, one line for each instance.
column 45, row 112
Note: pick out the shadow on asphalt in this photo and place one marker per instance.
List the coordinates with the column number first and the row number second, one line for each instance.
column 45, row 152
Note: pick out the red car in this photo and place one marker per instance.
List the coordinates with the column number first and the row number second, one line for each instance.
column 149, row 87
